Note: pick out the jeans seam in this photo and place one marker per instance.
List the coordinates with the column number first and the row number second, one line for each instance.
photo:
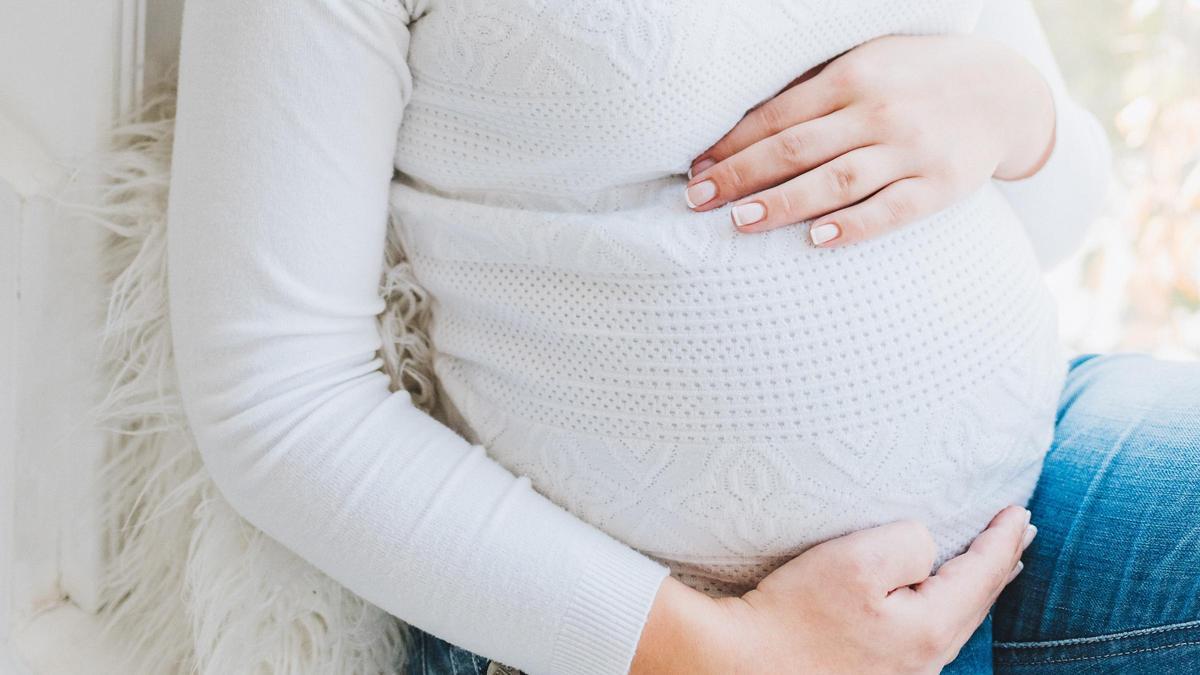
column 1099, row 638
column 1097, row 657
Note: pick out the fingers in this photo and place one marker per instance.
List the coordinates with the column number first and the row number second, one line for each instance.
column 839, row 183
column 897, row 204
column 965, row 628
column 809, row 99
column 964, row 587
column 946, row 608
column 774, row 159
column 889, row 556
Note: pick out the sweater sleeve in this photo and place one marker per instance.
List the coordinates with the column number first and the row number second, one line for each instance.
column 287, row 123
column 1060, row 201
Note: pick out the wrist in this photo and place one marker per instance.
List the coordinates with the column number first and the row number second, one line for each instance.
column 686, row 632
column 1032, row 134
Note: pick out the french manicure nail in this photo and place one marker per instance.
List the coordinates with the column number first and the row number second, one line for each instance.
column 823, row 234
column 701, row 193
column 1016, row 570
column 1028, row 516
column 1030, row 533
column 748, row 213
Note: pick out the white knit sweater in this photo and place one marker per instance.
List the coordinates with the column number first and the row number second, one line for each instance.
column 641, row 389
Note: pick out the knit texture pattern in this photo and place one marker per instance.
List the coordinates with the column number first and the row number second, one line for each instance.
column 718, row 401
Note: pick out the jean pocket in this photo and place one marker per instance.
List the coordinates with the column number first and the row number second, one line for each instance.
column 1167, row 650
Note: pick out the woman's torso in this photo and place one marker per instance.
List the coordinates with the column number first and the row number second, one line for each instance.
column 717, row 400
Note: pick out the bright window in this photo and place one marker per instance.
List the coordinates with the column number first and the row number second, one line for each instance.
column 1136, row 64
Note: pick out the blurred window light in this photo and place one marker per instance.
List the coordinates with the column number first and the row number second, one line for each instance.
column 1136, row 284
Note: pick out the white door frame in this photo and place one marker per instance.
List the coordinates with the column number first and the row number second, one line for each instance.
column 68, row 70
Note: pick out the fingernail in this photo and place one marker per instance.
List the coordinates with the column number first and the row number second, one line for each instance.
column 1028, row 516
column 748, row 213
column 1016, row 570
column 826, row 233
column 700, row 166
column 701, row 193
column 1030, row 533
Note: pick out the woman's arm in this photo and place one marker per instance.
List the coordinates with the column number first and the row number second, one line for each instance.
column 287, row 123
column 1064, row 196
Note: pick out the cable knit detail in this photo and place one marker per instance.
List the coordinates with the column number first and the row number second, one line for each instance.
column 723, row 401
column 518, row 92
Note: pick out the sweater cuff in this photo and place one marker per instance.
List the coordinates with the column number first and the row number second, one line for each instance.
column 608, row 610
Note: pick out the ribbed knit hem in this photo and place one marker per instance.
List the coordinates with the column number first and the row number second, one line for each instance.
column 604, row 621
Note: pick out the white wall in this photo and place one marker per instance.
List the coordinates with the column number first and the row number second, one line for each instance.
column 10, row 210
column 68, row 68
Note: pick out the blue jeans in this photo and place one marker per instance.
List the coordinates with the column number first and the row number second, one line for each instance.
column 1112, row 582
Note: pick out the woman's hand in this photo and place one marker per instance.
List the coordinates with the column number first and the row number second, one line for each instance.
column 891, row 131
column 862, row 603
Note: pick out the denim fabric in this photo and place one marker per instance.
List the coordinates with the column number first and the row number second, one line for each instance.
column 975, row 657
column 1112, row 582
column 429, row 655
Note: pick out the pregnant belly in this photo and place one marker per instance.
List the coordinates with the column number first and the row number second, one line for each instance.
column 723, row 401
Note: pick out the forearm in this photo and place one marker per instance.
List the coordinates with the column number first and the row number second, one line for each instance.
column 685, row 633
column 1029, row 123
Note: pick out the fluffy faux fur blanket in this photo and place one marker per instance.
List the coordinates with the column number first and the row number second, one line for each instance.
column 191, row 587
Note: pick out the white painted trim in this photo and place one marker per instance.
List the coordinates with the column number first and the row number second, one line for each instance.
column 24, row 164
column 64, row 640
column 10, row 215
column 51, row 301
column 131, row 55
column 81, row 533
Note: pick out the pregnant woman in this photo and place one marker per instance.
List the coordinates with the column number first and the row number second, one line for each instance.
column 712, row 407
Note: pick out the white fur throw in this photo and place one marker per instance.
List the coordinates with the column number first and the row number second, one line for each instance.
column 191, row 587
